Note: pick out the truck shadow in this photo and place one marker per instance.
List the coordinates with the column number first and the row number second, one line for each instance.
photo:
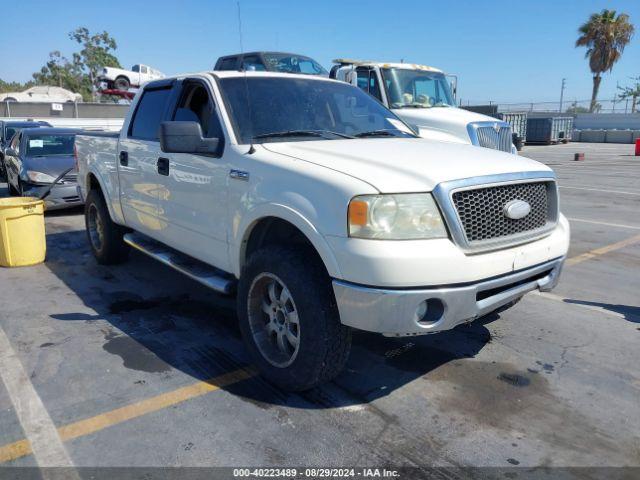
column 630, row 313
column 158, row 321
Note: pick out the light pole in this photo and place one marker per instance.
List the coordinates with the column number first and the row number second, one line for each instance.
column 562, row 93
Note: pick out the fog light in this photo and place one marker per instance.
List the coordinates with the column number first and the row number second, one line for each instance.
column 422, row 310
column 429, row 311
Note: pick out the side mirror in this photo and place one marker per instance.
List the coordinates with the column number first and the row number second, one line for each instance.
column 186, row 137
column 10, row 152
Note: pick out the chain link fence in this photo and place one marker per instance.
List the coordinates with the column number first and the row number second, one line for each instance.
column 568, row 106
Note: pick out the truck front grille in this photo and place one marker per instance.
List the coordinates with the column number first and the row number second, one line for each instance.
column 481, row 211
column 497, row 136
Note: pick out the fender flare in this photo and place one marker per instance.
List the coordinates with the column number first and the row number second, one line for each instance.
column 288, row 214
column 101, row 183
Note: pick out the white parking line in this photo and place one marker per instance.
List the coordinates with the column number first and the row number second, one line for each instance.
column 593, row 189
column 35, row 420
column 616, row 225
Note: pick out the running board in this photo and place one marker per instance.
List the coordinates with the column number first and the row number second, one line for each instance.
column 207, row 275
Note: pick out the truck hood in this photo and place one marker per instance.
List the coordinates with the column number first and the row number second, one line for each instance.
column 449, row 120
column 396, row 165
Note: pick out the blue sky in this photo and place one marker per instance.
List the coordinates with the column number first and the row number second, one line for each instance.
column 504, row 51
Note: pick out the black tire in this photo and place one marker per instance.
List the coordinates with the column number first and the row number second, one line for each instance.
column 122, row 83
column 105, row 236
column 12, row 191
column 324, row 343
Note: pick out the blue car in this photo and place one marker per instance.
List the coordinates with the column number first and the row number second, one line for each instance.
column 7, row 129
column 35, row 158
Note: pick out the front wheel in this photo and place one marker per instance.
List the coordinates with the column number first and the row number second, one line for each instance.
column 105, row 236
column 289, row 319
column 122, row 83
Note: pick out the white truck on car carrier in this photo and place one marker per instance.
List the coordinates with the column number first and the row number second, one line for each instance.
column 422, row 97
column 321, row 210
column 122, row 80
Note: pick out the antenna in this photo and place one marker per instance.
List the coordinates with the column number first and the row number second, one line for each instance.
column 246, row 84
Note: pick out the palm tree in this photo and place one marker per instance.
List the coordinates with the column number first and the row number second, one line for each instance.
column 605, row 35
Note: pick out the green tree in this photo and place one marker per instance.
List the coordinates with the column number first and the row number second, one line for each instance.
column 632, row 92
column 79, row 74
column 59, row 71
column 604, row 35
column 96, row 53
column 575, row 108
column 14, row 86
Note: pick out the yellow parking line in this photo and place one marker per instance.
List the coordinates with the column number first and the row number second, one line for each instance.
column 14, row 450
column 128, row 412
column 602, row 250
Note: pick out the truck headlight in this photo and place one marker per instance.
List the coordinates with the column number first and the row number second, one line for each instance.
column 395, row 217
column 39, row 177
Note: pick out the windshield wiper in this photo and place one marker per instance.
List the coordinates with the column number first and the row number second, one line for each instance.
column 301, row 133
column 414, row 105
column 382, row 133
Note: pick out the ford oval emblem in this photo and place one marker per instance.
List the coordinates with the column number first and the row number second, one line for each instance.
column 516, row 209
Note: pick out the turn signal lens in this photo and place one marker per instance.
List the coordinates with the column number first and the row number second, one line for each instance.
column 358, row 213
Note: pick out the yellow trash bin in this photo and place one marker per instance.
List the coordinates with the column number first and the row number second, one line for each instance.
column 22, row 235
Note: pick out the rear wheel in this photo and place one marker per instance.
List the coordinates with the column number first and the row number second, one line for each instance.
column 122, row 83
column 105, row 236
column 289, row 319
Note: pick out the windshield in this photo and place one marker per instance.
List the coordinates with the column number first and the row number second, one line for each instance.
column 417, row 88
column 50, row 145
column 293, row 109
column 286, row 63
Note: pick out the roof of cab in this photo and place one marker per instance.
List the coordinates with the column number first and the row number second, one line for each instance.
column 50, row 131
column 370, row 63
column 243, row 74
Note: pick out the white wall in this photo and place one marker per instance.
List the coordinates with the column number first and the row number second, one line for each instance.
column 607, row 121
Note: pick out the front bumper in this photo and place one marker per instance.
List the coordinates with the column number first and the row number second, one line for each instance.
column 394, row 311
column 61, row 196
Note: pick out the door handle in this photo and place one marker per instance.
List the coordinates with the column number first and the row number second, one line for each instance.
column 124, row 158
column 163, row 166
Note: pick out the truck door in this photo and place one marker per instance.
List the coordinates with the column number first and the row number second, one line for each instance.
column 138, row 154
column 193, row 196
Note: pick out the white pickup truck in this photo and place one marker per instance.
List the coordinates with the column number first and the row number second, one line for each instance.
column 121, row 79
column 421, row 96
column 321, row 210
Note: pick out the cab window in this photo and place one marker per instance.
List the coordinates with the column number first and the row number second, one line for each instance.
column 253, row 63
column 149, row 114
column 368, row 81
column 196, row 105
column 143, row 69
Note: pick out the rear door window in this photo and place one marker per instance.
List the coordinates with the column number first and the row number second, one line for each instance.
column 228, row 63
column 149, row 114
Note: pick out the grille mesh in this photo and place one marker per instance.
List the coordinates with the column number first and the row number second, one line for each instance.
column 501, row 139
column 482, row 215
